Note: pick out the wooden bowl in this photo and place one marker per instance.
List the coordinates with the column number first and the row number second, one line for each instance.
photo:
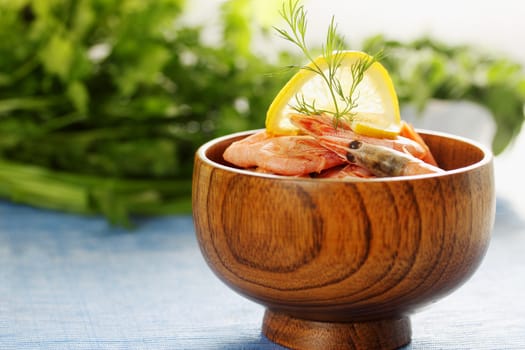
column 342, row 264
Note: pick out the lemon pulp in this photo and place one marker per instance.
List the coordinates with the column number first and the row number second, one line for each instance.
column 377, row 111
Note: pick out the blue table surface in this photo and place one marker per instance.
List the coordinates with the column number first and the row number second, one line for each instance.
column 73, row 282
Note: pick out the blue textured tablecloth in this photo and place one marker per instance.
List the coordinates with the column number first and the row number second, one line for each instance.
column 71, row 282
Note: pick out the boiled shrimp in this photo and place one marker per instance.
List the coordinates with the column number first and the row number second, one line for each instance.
column 282, row 155
column 379, row 160
column 323, row 125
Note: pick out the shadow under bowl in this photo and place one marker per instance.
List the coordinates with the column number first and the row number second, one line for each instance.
column 341, row 264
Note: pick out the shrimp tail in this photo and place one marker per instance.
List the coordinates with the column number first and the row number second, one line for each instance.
column 408, row 131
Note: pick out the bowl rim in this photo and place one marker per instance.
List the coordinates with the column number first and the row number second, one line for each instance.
column 487, row 158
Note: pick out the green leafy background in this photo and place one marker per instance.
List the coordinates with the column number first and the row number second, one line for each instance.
column 104, row 102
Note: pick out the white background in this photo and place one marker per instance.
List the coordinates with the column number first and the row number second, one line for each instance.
column 497, row 25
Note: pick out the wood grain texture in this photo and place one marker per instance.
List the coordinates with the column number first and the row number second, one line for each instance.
column 305, row 334
column 345, row 252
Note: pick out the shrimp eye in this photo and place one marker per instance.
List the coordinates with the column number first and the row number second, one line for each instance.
column 350, row 157
column 355, row 144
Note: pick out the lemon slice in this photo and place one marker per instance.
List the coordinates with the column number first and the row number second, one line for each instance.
column 377, row 111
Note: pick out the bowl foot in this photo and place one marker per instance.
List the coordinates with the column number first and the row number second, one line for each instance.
column 303, row 334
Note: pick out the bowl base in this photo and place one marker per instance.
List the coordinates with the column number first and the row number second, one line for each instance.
column 303, row 334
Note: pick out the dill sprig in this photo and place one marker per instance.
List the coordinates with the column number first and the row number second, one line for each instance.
column 344, row 101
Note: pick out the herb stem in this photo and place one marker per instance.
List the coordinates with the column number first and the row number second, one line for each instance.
column 332, row 52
